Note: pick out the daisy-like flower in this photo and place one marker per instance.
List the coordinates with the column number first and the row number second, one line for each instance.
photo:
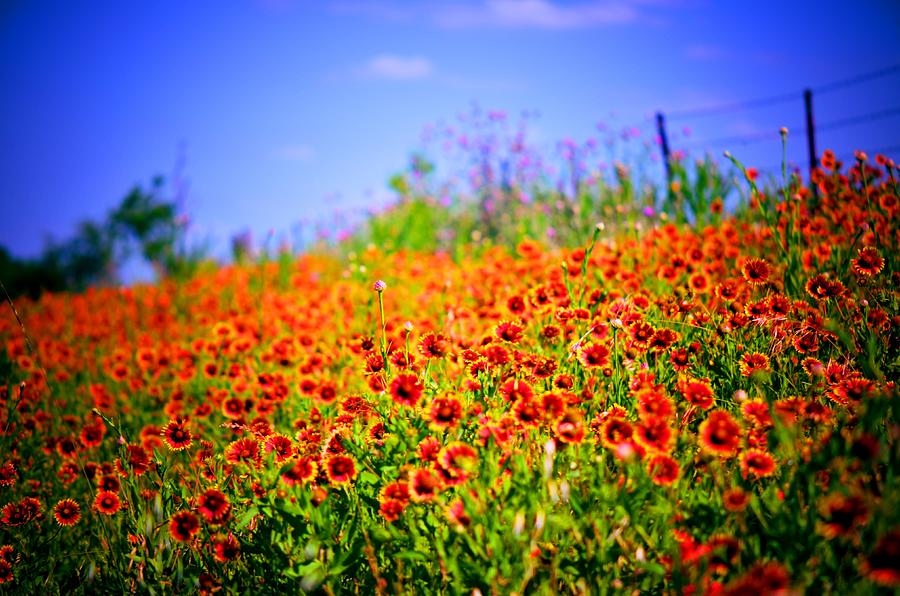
column 107, row 503
column 615, row 431
column 889, row 202
column 341, row 469
column 515, row 390
column 233, row 407
column 680, row 359
column 753, row 363
column 869, row 262
column 663, row 339
column 527, row 412
column 641, row 333
column 757, row 463
column 214, row 506
column 509, row 331
column 303, row 470
column 593, row 355
column 92, row 434
column 243, row 451
column 516, row 305
column 67, row 447
column 138, row 461
column 852, row 391
column 423, row 485
column 280, row 445
column 758, row 310
column 699, row 283
column 406, row 389
column 697, row 392
column 67, row 512
column 183, row 526
column 445, row 412
column 434, row 345
column 756, row 271
column 177, row 435
column 18, row 514
column 398, row 491
column 756, row 411
column 571, row 428
column 227, row 549
column 552, row 405
column 653, row 402
column 735, row 499
column 663, row 470
column 720, row 435
column 654, row 435
column 455, row 463
column 391, row 509
column 8, row 474
column 109, row 482
column 779, row 305
column 728, row 290
column 495, row 354
column 821, row 287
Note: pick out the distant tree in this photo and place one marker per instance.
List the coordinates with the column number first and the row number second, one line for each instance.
column 144, row 218
column 144, row 221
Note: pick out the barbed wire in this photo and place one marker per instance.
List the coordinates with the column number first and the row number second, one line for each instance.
column 749, row 139
column 760, row 102
column 855, row 80
column 844, row 157
column 737, row 106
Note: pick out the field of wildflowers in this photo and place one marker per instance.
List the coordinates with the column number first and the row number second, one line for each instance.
column 701, row 404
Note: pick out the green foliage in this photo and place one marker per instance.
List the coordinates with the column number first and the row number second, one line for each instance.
column 144, row 222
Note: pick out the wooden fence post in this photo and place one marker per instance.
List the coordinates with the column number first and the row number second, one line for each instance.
column 811, row 138
column 664, row 143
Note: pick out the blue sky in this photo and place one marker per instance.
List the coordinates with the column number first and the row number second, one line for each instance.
column 287, row 110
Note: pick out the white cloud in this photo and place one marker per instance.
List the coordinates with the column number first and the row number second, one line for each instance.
column 298, row 153
column 393, row 67
column 537, row 14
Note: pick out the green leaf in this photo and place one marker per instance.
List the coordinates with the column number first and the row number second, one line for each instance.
column 246, row 517
column 411, row 555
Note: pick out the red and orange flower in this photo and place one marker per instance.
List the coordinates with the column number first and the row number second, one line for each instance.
column 719, row 434
column 67, row 512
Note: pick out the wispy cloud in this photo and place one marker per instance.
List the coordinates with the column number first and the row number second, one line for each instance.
column 746, row 127
column 397, row 68
column 536, row 14
column 382, row 11
column 392, row 67
column 703, row 52
column 296, row 152
column 465, row 83
column 552, row 15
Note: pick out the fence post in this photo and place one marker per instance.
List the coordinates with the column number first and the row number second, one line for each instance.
column 811, row 138
column 664, row 143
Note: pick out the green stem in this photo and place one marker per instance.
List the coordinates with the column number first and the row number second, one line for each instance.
column 384, row 354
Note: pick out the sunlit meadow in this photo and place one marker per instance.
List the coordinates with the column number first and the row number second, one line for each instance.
column 502, row 385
